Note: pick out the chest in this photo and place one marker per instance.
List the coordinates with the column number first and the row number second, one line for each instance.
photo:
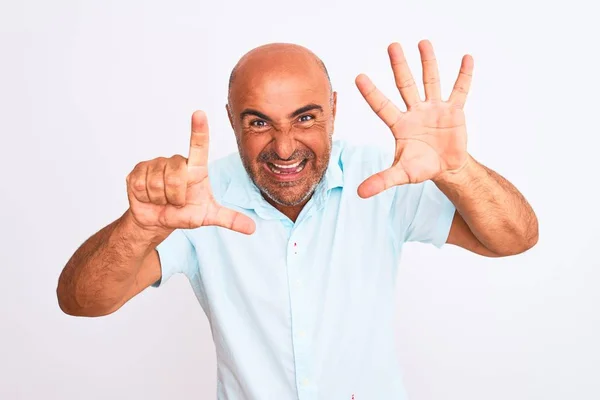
column 335, row 258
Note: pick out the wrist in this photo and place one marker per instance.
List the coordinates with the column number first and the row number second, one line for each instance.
column 150, row 236
column 459, row 176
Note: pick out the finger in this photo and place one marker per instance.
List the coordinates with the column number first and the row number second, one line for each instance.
column 458, row 97
column 176, row 180
column 155, row 181
column 383, row 107
column 404, row 79
column 136, row 182
column 198, row 156
column 230, row 219
column 431, row 76
column 381, row 181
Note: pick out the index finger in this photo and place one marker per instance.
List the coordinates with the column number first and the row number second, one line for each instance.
column 383, row 107
column 198, row 155
column 231, row 219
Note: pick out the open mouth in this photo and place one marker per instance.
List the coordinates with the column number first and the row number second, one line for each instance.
column 291, row 169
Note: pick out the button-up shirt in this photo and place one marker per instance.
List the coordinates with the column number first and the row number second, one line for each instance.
column 305, row 310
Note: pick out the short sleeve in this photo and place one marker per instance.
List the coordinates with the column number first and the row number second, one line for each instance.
column 177, row 255
column 426, row 213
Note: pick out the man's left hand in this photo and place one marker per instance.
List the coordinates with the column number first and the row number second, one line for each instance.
column 431, row 135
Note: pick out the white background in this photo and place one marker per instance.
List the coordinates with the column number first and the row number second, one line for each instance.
column 88, row 89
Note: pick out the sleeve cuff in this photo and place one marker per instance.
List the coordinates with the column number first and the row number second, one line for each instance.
column 444, row 222
column 171, row 253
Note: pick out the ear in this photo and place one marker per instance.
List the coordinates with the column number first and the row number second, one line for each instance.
column 229, row 115
column 334, row 103
column 333, row 110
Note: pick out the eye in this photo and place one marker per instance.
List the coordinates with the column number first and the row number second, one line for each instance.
column 306, row 118
column 258, row 123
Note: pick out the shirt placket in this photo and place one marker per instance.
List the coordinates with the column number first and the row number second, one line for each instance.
column 299, row 292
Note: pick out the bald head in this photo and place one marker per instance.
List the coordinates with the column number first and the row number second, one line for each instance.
column 277, row 57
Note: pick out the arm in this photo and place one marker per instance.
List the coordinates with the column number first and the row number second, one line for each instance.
column 109, row 269
column 493, row 218
column 121, row 260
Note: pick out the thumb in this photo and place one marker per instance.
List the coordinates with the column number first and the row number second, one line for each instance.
column 381, row 181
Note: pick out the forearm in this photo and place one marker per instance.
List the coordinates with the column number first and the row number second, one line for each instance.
column 495, row 211
column 104, row 267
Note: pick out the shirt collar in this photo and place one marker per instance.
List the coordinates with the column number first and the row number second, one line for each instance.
column 242, row 192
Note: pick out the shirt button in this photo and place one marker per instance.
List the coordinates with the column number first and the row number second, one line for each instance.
column 298, row 283
column 302, row 334
column 305, row 382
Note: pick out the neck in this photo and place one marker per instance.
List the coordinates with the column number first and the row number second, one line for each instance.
column 291, row 212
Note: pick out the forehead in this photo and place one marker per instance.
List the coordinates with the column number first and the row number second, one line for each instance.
column 279, row 88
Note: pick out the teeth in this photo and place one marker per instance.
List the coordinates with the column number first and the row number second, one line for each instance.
column 295, row 168
column 288, row 166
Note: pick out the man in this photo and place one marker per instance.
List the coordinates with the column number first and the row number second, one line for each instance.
column 291, row 246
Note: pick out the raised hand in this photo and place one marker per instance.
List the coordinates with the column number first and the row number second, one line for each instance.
column 431, row 135
column 172, row 193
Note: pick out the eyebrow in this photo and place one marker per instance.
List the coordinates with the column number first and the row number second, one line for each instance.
column 301, row 110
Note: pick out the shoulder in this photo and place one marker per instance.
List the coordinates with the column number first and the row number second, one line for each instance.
column 359, row 161
column 224, row 171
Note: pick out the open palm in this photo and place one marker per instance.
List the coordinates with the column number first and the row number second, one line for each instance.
column 431, row 135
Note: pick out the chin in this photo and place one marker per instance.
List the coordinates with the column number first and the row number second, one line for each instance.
column 289, row 196
column 287, row 199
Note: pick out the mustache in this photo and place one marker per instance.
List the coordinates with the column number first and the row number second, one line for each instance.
column 272, row 156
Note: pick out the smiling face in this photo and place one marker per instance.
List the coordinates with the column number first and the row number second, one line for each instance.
column 282, row 111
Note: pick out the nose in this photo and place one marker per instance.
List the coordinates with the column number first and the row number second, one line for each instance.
column 284, row 146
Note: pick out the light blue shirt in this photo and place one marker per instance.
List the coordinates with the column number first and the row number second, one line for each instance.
column 305, row 310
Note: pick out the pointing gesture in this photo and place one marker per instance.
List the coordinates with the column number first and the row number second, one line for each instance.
column 175, row 193
column 431, row 136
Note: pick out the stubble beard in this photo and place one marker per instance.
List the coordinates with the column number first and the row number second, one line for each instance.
column 272, row 192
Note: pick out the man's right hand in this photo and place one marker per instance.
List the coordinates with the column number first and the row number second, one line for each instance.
column 175, row 193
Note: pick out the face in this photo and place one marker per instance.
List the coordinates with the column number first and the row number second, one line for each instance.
column 284, row 124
